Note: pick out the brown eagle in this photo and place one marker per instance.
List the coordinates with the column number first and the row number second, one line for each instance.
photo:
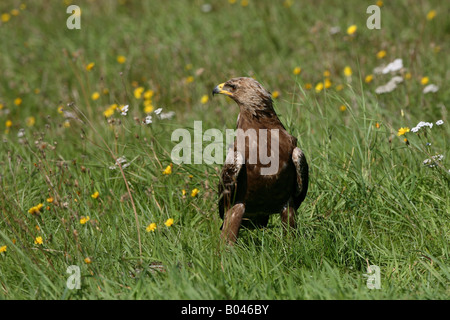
column 264, row 172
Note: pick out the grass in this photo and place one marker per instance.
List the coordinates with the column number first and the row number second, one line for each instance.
column 371, row 201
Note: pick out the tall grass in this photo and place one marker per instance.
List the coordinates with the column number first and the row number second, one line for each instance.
column 371, row 200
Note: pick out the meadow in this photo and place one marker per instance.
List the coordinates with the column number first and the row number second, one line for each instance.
column 87, row 182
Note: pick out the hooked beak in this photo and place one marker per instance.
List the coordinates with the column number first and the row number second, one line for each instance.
column 219, row 90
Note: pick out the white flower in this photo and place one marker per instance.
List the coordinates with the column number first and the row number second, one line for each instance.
column 124, row 110
column 158, row 111
column 334, row 30
column 390, row 86
column 430, row 88
column 148, row 119
column 122, row 161
column 167, row 115
column 395, row 65
column 21, row 133
column 431, row 163
column 439, row 122
column 415, row 129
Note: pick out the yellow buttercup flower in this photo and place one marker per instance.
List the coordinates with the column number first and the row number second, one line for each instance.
column 18, row 101
column 30, row 121
column 348, row 71
column 297, row 70
column 35, row 209
column 151, row 227
column 121, row 59
column 194, row 192
column 402, row 131
column 87, row 260
column 95, row 195
column 148, row 94
column 168, row 170
column 368, row 78
column 95, row 96
column 38, row 240
column 5, row 17
column 275, row 94
column 204, row 99
column 381, row 54
column 424, row 80
column 319, row 87
column 189, row 79
column 431, row 14
column 90, row 66
column 138, row 92
column 50, row 200
column 3, row 249
column 168, row 222
column 308, row 86
column 342, row 108
column 352, row 29
column 8, row 123
column 84, row 220
column 327, row 83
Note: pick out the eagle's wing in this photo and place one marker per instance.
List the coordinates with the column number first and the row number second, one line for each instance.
column 232, row 172
column 301, row 167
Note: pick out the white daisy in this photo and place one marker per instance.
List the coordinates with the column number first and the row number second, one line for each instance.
column 148, row 119
column 430, row 88
column 439, row 122
column 124, row 110
column 395, row 65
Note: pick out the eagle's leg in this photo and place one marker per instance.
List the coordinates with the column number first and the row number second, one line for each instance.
column 288, row 217
column 232, row 222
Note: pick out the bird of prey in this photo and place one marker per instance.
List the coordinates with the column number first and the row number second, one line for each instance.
column 251, row 187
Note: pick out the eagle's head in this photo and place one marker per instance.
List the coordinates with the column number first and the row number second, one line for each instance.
column 247, row 92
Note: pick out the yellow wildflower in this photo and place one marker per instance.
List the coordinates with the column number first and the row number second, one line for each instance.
column 431, row 14
column 168, row 170
column 319, row 87
column 30, row 121
column 95, row 96
column 297, row 70
column 408, row 76
column 204, row 99
column 87, row 260
column 3, row 249
column 379, row 3
column 275, row 94
column 35, row 209
column 151, row 227
column 352, row 29
column 244, row 3
column 368, row 78
column 308, row 86
column 5, row 17
column 18, row 101
column 8, row 123
column 38, row 240
column 424, row 80
column 381, row 54
column 95, row 195
column 168, row 222
column 138, row 92
column 348, row 71
column 194, row 192
column 148, row 94
column 148, row 107
column 189, row 79
column 90, row 66
column 402, row 131
column 339, row 87
column 326, row 74
column 108, row 112
column 327, row 83
column 183, row 192
column 50, row 200
column 121, row 59
column 84, row 219
column 342, row 108
column 15, row 12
